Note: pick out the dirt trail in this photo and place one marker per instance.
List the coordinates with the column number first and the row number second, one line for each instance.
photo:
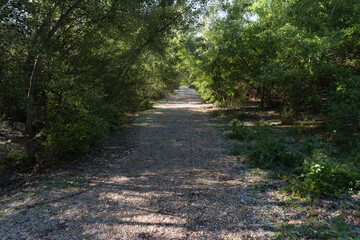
column 177, row 183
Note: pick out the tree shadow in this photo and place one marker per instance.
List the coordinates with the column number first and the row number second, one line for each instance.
column 176, row 183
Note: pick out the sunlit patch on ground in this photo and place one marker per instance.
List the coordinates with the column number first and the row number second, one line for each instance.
column 176, row 183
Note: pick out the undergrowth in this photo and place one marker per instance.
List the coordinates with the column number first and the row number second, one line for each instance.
column 314, row 167
column 337, row 228
column 13, row 158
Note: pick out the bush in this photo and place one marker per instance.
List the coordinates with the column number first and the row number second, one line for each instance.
column 287, row 115
column 313, row 166
column 239, row 130
column 325, row 176
column 72, row 128
column 308, row 145
column 242, row 132
column 272, row 152
column 15, row 159
column 343, row 105
column 262, row 129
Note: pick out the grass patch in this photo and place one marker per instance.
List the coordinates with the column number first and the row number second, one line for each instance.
column 336, row 228
column 21, row 161
column 313, row 165
column 313, row 174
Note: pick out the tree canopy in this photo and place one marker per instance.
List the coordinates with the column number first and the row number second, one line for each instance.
column 299, row 55
column 73, row 70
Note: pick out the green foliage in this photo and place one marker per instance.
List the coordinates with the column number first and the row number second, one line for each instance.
column 323, row 175
column 308, row 145
column 344, row 104
column 311, row 171
column 270, row 150
column 274, row 153
column 72, row 128
column 262, row 130
column 76, row 69
column 243, row 132
column 2, row 168
column 287, row 115
column 299, row 57
column 239, row 130
column 296, row 54
column 338, row 228
column 314, row 167
column 15, row 158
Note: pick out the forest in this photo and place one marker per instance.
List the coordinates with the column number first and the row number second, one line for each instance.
column 300, row 58
column 73, row 71
column 283, row 78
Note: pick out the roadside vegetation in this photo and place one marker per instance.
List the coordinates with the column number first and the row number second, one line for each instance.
column 71, row 71
column 285, row 76
column 308, row 182
column 299, row 59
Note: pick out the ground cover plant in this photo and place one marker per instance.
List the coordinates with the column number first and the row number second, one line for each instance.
column 305, row 167
column 317, row 165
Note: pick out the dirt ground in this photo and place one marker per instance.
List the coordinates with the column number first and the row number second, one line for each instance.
column 176, row 182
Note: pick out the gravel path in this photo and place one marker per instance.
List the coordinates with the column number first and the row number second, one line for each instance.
column 176, row 183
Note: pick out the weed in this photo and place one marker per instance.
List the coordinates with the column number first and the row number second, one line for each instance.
column 239, row 130
column 261, row 129
column 273, row 152
column 337, row 229
column 2, row 168
column 313, row 167
column 323, row 175
column 287, row 115
column 308, row 145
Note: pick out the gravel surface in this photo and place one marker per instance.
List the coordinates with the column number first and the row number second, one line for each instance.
column 177, row 182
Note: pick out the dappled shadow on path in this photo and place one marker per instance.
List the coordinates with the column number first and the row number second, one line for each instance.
column 174, row 184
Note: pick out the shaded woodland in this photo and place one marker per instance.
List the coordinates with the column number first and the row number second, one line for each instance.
column 72, row 71
column 300, row 58
column 283, row 77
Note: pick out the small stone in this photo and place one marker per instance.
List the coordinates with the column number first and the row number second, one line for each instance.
column 295, row 222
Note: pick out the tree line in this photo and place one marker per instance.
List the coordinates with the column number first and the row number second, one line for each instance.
column 301, row 57
column 73, row 70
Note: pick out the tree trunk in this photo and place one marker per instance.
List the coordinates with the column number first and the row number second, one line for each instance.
column 30, row 94
column 262, row 96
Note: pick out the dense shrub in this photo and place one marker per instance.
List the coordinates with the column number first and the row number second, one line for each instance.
column 14, row 157
column 239, row 130
column 275, row 152
column 314, row 167
column 324, row 175
column 297, row 56
column 287, row 115
column 72, row 128
column 262, row 129
column 343, row 105
column 242, row 132
column 79, row 69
